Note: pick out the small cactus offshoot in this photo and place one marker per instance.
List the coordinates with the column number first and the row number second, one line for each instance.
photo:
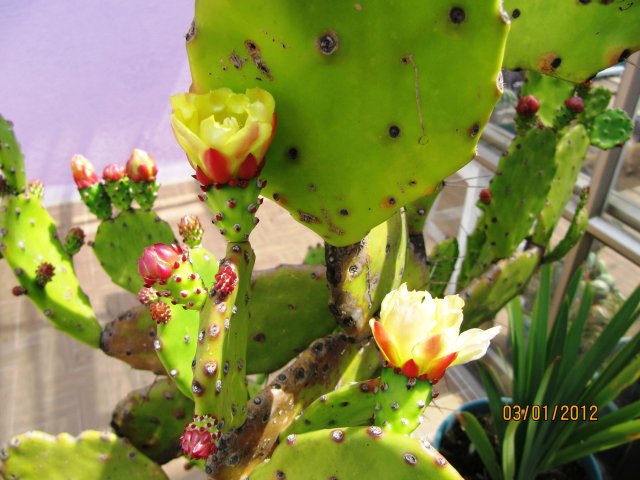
column 74, row 241
column 190, row 230
column 44, row 274
column 142, row 171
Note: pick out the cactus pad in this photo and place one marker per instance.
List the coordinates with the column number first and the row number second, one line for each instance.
column 91, row 455
column 552, row 92
column 11, row 158
column 339, row 132
column 574, row 40
column 442, row 261
column 120, row 241
column 610, row 129
column 354, row 453
column 578, row 226
column 153, row 418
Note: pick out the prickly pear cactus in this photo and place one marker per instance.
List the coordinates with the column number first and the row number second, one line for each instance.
column 153, row 418
column 397, row 136
column 578, row 226
column 11, row 158
column 610, row 129
column 552, row 92
column 571, row 39
column 355, row 452
column 442, row 261
column 37, row 455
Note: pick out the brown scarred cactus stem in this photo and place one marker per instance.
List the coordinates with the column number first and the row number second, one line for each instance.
column 142, row 171
column 226, row 136
column 190, row 230
column 92, row 192
column 170, row 268
column 74, row 241
column 160, row 312
column 219, row 366
column 201, row 437
column 117, row 185
column 44, row 274
column 35, row 189
column 147, row 296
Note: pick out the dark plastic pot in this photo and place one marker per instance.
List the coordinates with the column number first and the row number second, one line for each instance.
column 480, row 407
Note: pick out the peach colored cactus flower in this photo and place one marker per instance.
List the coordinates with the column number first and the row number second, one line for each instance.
column 421, row 335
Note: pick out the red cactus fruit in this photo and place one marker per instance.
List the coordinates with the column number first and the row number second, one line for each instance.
column 226, row 280
column 527, row 106
column 485, row 196
column 157, row 262
column 113, row 172
column 190, row 230
column 83, row 172
column 18, row 290
column 147, row 296
column 44, row 273
column 575, row 104
column 200, row 437
column 141, row 167
column 160, row 312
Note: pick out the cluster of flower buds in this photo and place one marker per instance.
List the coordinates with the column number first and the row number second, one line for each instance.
column 201, row 437
column 190, row 229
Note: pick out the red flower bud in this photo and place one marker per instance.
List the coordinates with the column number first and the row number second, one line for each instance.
column 226, row 280
column 141, row 167
column 160, row 312
column 575, row 104
column 83, row 172
column 147, row 296
column 157, row 262
column 485, row 196
column 113, row 172
column 44, row 273
column 200, row 437
column 527, row 106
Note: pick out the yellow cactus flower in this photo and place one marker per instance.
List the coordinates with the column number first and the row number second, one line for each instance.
column 421, row 335
column 224, row 134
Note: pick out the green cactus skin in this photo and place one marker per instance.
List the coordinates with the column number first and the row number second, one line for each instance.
column 610, row 129
column 328, row 363
column 97, row 200
column 349, row 406
column 288, row 310
column 74, row 241
column 144, row 193
column 28, row 237
column 578, row 226
column 219, row 366
column 11, row 158
column 573, row 40
column 185, row 287
column 315, row 255
column 234, row 209
column 120, row 193
column 442, row 261
column 550, row 91
column 570, row 154
column 92, row 455
column 401, row 401
column 519, row 189
column 130, row 338
column 487, row 294
column 596, row 102
column 153, row 418
column 360, row 275
column 354, row 453
column 120, row 242
column 339, row 132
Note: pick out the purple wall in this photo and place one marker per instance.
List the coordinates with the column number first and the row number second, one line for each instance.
column 92, row 77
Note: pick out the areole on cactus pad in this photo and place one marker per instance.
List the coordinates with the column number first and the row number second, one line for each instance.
column 367, row 99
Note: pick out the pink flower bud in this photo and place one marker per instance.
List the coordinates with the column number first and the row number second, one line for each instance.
column 157, row 262
column 83, row 172
column 113, row 172
column 200, row 437
column 141, row 167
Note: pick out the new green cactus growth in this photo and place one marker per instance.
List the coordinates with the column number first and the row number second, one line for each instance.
column 11, row 160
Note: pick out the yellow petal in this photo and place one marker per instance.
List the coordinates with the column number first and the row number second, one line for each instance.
column 473, row 344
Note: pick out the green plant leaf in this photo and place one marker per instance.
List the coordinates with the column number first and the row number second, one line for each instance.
column 509, row 451
column 490, row 380
column 537, row 342
column 516, row 330
column 482, row 444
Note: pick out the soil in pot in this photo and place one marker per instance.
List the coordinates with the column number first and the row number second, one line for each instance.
column 457, row 449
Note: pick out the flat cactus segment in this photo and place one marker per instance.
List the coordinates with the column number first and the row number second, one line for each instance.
column 401, row 401
column 417, row 212
column 355, row 453
column 11, row 158
column 596, row 102
column 288, row 310
column 340, row 133
column 130, row 338
column 92, row 455
column 360, row 275
column 314, row 255
column 442, row 261
column 486, row 295
column 570, row 154
column 153, row 418
column 28, row 238
column 570, row 39
column 120, row 241
column 350, row 406
column 550, row 91
column 578, row 226
column 610, row 129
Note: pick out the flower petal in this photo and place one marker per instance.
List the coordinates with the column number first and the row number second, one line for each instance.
column 439, row 366
column 385, row 342
column 473, row 344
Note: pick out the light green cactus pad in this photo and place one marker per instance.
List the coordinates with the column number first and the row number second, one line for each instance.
column 571, row 39
column 28, row 237
column 153, row 418
column 120, row 241
column 91, row 455
column 610, row 129
column 355, row 453
column 578, row 226
column 550, row 91
column 11, row 158
column 371, row 97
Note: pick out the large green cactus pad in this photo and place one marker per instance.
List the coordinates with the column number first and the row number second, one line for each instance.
column 153, row 418
column 381, row 97
column 571, row 39
column 120, row 241
column 355, row 453
column 11, row 158
column 28, row 237
column 91, row 455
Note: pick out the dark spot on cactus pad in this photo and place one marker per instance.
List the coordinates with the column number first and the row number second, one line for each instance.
column 328, row 42
column 344, row 212
column 300, row 373
column 307, row 217
column 457, row 15
column 280, row 474
column 254, row 53
column 236, row 61
column 548, row 63
column 197, row 388
column 192, row 31
column 394, row 131
column 624, row 55
column 388, row 202
column 259, row 337
column 584, row 2
column 410, row 459
column 306, row 421
column 318, row 347
column 292, row 153
column 344, row 404
column 474, row 130
column 515, row 13
column 337, row 436
column 282, row 377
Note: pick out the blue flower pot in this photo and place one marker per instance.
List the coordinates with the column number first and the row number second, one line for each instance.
column 481, row 406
